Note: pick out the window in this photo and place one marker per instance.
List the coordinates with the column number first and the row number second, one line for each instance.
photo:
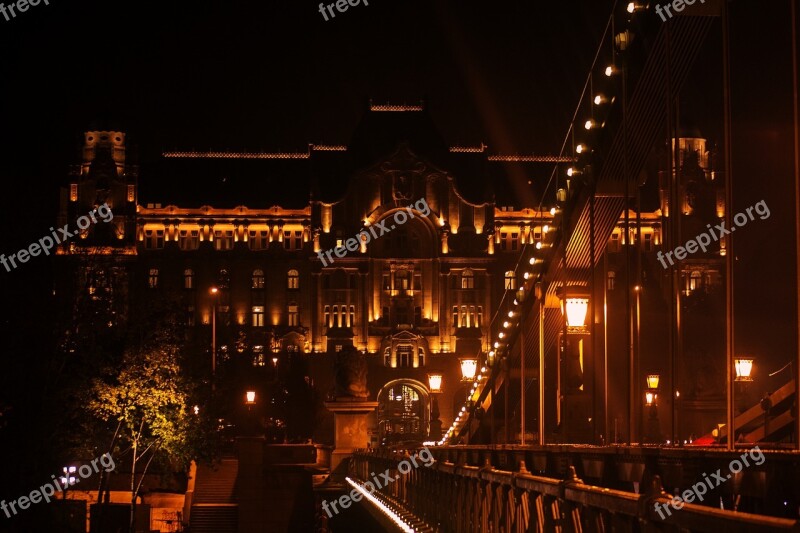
column 258, row 316
column 223, row 239
column 188, row 239
column 648, row 242
column 154, row 238
column 327, row 316
column 611, row 280
column 421, row 356
column 386, row 285
column 258, row 279
column 479, row 320
column 338, row 348
column 352, row 321
column 387, row 356
column 467, row 280
column 294, row 318
column 417, row 282
column 511, row 281
column 695, row 281
column 455, row 316
column 514, row 241
column 293, row 279
column 258, row 240
column 153, row 279
column 73, row 192
column 293, row 240
column 503, row 241
column 405, row 355
column 335, row 318
column 131, row 193
column 190, row 315
column 613, row 246
column 463, row 317
column 224, row 280
column 417, row 315
column 401, row 280
column 258, row 356
column 188, row 278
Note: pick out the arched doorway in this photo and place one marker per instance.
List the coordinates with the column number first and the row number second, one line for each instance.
column 403, row 412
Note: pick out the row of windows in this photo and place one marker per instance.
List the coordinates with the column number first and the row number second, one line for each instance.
column 404, row 357
column 615, row 244
column 257, row 279
column 468, row 317
column 223, row 240
column 339, row 317
column 257, row 315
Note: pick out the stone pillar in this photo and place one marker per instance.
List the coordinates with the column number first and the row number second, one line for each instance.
column 350, row 423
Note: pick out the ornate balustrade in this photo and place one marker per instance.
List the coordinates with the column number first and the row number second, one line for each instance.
column 455, row 494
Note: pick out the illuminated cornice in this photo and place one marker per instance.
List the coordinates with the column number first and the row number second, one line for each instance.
column 97, row 250
column 530, row 158
column 395, row 108
column 468, row 149
column 208, row 211
column 256, row 155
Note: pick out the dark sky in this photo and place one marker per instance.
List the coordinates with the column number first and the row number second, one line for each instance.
column 274, row 75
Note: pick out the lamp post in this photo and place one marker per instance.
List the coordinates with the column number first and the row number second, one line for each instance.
column 573, row 406
column 68, row 479
column 214, row 291
column 651, row 401
column 469, row 366
column 744, row 368
column 435, row 387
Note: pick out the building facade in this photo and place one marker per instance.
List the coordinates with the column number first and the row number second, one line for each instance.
column 399, row 263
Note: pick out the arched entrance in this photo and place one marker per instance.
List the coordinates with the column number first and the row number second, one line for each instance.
column 403, row 411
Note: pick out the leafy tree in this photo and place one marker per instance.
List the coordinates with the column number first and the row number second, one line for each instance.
column 148, row 401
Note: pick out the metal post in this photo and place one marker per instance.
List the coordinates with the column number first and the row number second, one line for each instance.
column 729, row 331
column 796, row 369
column 214, row 345
column 522, row 384
column 541, row 367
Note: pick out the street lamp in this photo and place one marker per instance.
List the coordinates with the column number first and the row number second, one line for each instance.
column 652, row 381
column 435, row 386
column 469, row 366
column 650, row 398
column 68, row 479
column 250, row 397
column 213, row 291
column 744, row 367
column 575, row 305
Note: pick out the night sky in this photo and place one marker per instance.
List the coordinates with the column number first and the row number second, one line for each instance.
column 276, row 76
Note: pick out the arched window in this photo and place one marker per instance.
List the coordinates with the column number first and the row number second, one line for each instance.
column 511, row 281
column 258, row 279
column 327, row 316
column 695, row 280
column 467, row 279
column 188, row 278
column 293, row 279
column 352, row 321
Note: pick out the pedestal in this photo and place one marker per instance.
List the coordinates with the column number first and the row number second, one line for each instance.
column 350, row 423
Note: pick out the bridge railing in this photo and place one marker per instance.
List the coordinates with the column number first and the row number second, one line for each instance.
column 458, row 498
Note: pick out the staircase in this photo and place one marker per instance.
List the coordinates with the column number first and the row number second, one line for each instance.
column 214, row 509
column 750, row 427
